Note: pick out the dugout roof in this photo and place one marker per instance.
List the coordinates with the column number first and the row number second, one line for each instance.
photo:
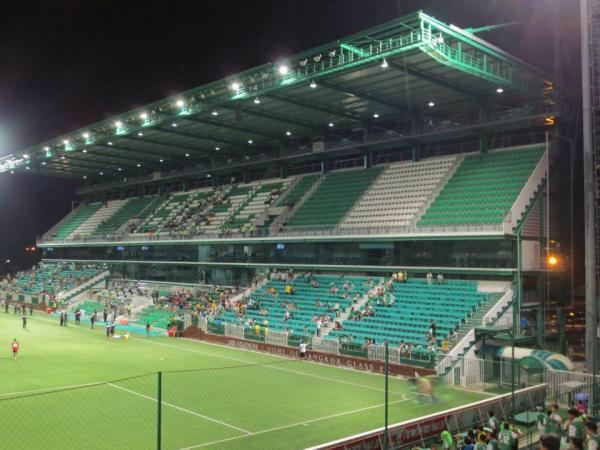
column 411, row 68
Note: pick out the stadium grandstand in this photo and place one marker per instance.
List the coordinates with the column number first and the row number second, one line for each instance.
column 388, row 202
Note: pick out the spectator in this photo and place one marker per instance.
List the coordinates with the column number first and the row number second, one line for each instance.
column 550, row 442
column 591, row 429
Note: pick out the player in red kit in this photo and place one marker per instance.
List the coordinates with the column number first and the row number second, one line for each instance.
column 15, row 348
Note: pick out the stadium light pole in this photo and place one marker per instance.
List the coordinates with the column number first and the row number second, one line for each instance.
column 589, row 192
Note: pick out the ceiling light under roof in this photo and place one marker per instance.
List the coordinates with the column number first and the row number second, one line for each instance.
column 187, row 155
column 215, row 113
column 431, row 104
column 66, row 141
column 62, row 157
column 119, row 169
column 313, row 84
column 161, row 160
column 250, row 141
column 143, row 116
column 46, row 148
column 235, row 86
column 43, row 163
column 283, row 69
column 180, row 103
column 138, row 165
column 331, row 124
column 101, row 173
column 217, row 148
column 376, row 116
column 174, row 125
column 288, row 133
column 86, row 135
column 384, row 64
column 499, row 90
column 84, row 151
column 118, row 124
column 110, row 143
column 257, row 101
column 85, row 177
column 140, row 134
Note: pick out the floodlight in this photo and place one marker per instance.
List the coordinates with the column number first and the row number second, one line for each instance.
column 384, row 64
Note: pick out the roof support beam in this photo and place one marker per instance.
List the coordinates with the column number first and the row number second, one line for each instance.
column 325, row 109
column 281, row 118
column 367, row 96
column 195, row 136
column 166, row 144
column 146, row 152
column 243, row 129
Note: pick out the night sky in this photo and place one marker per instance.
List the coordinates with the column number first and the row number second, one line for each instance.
column 67, row 64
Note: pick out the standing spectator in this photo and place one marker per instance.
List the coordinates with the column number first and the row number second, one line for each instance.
column 302, row 349
column 550, row 442
column 576, row 429
column 94, row 318
column 24, row 320
column 31, row 310
column 319, row 326
column 440, row 278
column 62, row 318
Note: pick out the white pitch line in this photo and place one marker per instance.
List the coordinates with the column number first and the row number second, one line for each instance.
column 292, row 425
column 179, row 408
column 298, row 372
column 33, row 391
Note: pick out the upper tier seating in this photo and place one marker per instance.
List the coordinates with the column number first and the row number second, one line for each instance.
column 98, row 218
column 74, row 221
column 398, row 193
column 416, row 303
column 305, row 297
column 483, row 188
column 255, row 204
column 332, row 199
column 298, row 190
column 126, row 212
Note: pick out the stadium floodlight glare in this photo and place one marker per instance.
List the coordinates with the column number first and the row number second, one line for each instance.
column 101, row 173
column 140, row 134
column 313, row 84
column 27, row 168
column 376, row 116
column 180, row 103
column 215, row 113
column 12, row 172
column 283, row 69
column 26, row 156
column 499, row 90
column 288, row 133
column 86, row 135
column 250, row 141
column 431, row 104
column 331, row 124
column 66, row 141
column 552, row 261
column 384, row 64
column 161, row 161
column 85, row 177
column 119, row 169
column 235, row 86
column 174, row 125
column 138, row 165
column 118, row 124
column 43, row 163
column 256, row 101
column 110, row 143
column 62, row 157
column 143, row 116
column 84, row 151
column 217, row 148
column 187, row 155
column 46, row 148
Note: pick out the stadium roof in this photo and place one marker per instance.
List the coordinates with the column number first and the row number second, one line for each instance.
column 410, row 68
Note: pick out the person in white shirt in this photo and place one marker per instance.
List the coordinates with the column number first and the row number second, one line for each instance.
column 302, row 349
column 319, row 326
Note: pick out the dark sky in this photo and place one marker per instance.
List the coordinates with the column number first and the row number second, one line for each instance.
column 66, row 64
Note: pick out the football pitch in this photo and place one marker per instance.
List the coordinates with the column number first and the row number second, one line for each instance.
column 72, row 388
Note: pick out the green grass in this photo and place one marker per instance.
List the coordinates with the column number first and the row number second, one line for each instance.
column 213, row 397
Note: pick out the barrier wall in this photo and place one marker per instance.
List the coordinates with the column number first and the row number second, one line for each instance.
column 416, row 431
